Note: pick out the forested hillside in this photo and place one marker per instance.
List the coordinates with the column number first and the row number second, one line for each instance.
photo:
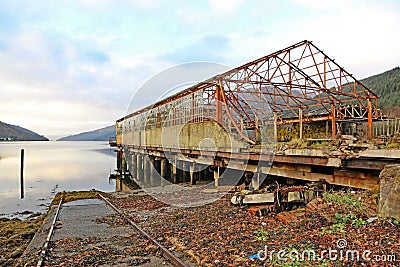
column 387, row 86
column 102, row 134
column 9, row 132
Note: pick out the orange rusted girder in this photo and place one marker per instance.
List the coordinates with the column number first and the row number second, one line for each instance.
column 333, row 121
column 218, row 104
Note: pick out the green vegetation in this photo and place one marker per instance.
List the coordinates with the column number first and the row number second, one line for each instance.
column 261, row 235
column 343, row 198
column 76, row 195
column 342, row 221
column 392, row 144
column 387, row 86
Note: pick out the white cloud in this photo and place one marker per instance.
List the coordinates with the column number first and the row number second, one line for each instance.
column 225, row 7
column 360, row 39
column 325, row 4
column 82, row 61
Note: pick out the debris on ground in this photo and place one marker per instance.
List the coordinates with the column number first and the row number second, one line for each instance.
column 222, row 234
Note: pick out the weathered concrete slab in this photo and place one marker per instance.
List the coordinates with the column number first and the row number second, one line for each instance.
column 307, row 152
column 81, row 219
column 380, row 153
column 88, row 233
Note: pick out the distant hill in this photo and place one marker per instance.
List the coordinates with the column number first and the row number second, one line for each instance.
column 387, row 86
column 102, row 134
column 9, row 132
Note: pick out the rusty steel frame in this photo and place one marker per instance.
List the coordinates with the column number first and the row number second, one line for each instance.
column 298, row 81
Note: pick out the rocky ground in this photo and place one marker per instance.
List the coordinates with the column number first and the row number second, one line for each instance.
column 15, row 235
column 342, row 224
column 220, row 234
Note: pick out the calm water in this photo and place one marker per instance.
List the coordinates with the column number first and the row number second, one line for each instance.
column 51, row 167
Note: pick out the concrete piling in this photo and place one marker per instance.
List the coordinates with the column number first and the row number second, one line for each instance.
column 163, row 170
column 216, row 177
column 139, row 169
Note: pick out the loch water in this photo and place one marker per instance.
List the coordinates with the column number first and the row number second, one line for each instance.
column 51, row 167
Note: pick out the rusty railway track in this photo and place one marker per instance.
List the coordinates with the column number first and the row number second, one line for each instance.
column 45, row 246
column 165, row 252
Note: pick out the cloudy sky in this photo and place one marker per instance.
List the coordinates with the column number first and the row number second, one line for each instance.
column 68, row 66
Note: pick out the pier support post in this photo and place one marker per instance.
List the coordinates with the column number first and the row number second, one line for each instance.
column 174, row 178
column 157, row 171
column 185, row 174
column 119, row 164
column 200, row 172
column 152, row 171
column 163, row 171
column 179, row 171
column 216, row 177
column 193, row 174
column 139, row 168
column 124, row 168
column 134, row 168
column 146, row 170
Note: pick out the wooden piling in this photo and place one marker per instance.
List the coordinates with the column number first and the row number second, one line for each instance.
column 22, row 173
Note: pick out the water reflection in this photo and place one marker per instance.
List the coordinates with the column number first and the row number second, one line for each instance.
column 51, row 167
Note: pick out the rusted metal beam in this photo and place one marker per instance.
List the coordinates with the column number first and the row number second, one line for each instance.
column 218, row 104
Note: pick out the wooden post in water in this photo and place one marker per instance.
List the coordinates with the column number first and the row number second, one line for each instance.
column 22, row 173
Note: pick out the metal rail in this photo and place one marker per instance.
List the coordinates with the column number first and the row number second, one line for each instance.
column 166, row 253
column 50, row 234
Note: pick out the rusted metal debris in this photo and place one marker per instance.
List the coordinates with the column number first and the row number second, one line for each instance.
column 276, row 198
